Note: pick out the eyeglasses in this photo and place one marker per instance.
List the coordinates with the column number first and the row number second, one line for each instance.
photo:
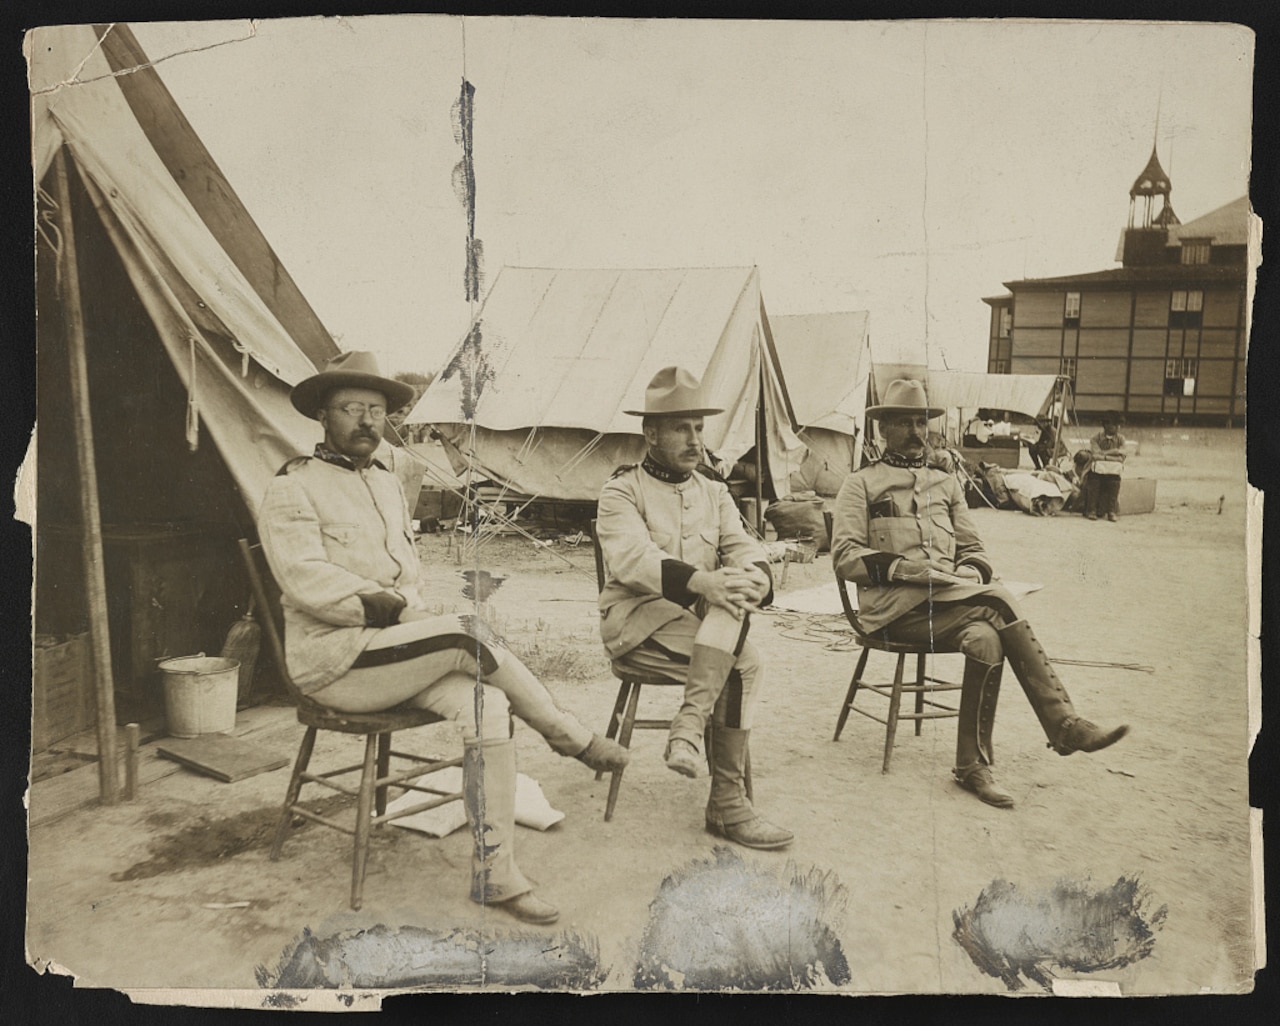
column 358, row 410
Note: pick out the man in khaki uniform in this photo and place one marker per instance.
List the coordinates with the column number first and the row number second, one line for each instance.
column 902, row 533
column 358, row 638
column 682, row 577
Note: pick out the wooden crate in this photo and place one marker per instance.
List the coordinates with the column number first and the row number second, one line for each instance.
column 437, row 504
column 1137, row 495
column 62, row 699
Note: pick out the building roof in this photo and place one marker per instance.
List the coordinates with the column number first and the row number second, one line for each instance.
column 1167, row 218
column 1152, row 181
column 993, row 300
column 1186, row 275
column 1226, row 226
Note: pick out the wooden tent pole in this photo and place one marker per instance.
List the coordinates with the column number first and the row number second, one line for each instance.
column 760, row 456
column 95, row 582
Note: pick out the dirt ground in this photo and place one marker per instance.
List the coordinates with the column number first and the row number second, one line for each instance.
column 1155, row 605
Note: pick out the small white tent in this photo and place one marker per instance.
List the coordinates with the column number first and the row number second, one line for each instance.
column 826, row 364
column 535, row 396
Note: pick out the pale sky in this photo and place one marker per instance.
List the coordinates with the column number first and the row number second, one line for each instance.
column 904, row 168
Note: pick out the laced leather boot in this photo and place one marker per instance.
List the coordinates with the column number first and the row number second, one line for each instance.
column 729, row 812
column 980, row 690
column 1066, row 731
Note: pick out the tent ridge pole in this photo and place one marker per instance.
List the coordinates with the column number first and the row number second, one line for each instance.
column 91, row 522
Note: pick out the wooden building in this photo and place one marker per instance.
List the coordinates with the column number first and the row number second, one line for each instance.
column 1160, row 338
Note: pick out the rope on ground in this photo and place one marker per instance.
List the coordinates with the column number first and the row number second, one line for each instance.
column 1104, row 664
column 830, row 630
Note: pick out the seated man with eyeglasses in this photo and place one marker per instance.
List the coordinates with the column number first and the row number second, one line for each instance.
column 336, row 531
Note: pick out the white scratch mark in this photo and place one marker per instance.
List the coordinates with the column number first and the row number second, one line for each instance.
column 75, row 78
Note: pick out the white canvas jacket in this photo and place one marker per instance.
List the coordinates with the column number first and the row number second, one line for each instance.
column 654, row 536
column 330, row 534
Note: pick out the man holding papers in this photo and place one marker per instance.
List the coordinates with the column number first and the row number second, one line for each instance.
column 903, row 534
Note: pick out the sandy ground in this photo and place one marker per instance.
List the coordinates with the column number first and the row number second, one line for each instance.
column 1166, row 808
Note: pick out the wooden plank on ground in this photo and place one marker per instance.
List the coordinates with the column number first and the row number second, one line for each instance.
column 221, row 756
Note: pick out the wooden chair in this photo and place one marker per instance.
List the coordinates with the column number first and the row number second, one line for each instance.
column 376, row 728
column 922, row 686
column 623, row 719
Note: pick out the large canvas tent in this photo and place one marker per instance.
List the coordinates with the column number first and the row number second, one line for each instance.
column 169, row 336
column 535, row 396
column 826, row 364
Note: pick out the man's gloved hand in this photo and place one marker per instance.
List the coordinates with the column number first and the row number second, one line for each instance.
column 382, row 608
column 911, row 571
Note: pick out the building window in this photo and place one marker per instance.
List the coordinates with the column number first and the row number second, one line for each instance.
column 999, row 366
column 1195, row 251
column 1185, row 307
column 1006, row 322
column 1180, row 376
column 1071, row 312
column 1068, row 368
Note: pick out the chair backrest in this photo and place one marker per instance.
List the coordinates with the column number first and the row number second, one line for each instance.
column 271, row 614
column 841, row 584
column 599, row 553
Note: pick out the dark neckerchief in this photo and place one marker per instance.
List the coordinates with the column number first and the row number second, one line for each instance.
column 896, row 459
column 338, row 460
column 655, row 469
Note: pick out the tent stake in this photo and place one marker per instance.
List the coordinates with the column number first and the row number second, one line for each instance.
column 95, row 582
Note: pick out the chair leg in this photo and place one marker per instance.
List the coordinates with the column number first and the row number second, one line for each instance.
column 384, row 767
column 624, row 739
column 619, row 704
column 919, row 694
column 291, row 795
column 853, row 690
column 895, row 703
column 364, row 813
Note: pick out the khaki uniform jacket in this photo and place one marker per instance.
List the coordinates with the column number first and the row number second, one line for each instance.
column 884, row 513
column 654, row 536
column 331, row 534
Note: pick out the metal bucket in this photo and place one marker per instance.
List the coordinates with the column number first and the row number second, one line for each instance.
column 200, row 694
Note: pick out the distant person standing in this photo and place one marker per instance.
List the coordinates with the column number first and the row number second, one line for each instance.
column 1107, row 456
column 1045, row 449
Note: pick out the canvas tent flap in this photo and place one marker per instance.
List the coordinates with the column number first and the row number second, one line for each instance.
column 111, row 147
column 234, row 356
column 557, row 356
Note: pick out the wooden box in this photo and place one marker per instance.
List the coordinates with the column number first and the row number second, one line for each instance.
column 437, row 504
column 1137, row 495
column 62, row 696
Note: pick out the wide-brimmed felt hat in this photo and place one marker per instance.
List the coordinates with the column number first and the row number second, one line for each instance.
column 904, row 396
column 348, row 370
column 674, row 392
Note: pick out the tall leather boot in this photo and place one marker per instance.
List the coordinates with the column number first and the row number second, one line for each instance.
column 708, row 670
column 980, row 690
column 489, row 795
column 1066, row 731
column 729, row 811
